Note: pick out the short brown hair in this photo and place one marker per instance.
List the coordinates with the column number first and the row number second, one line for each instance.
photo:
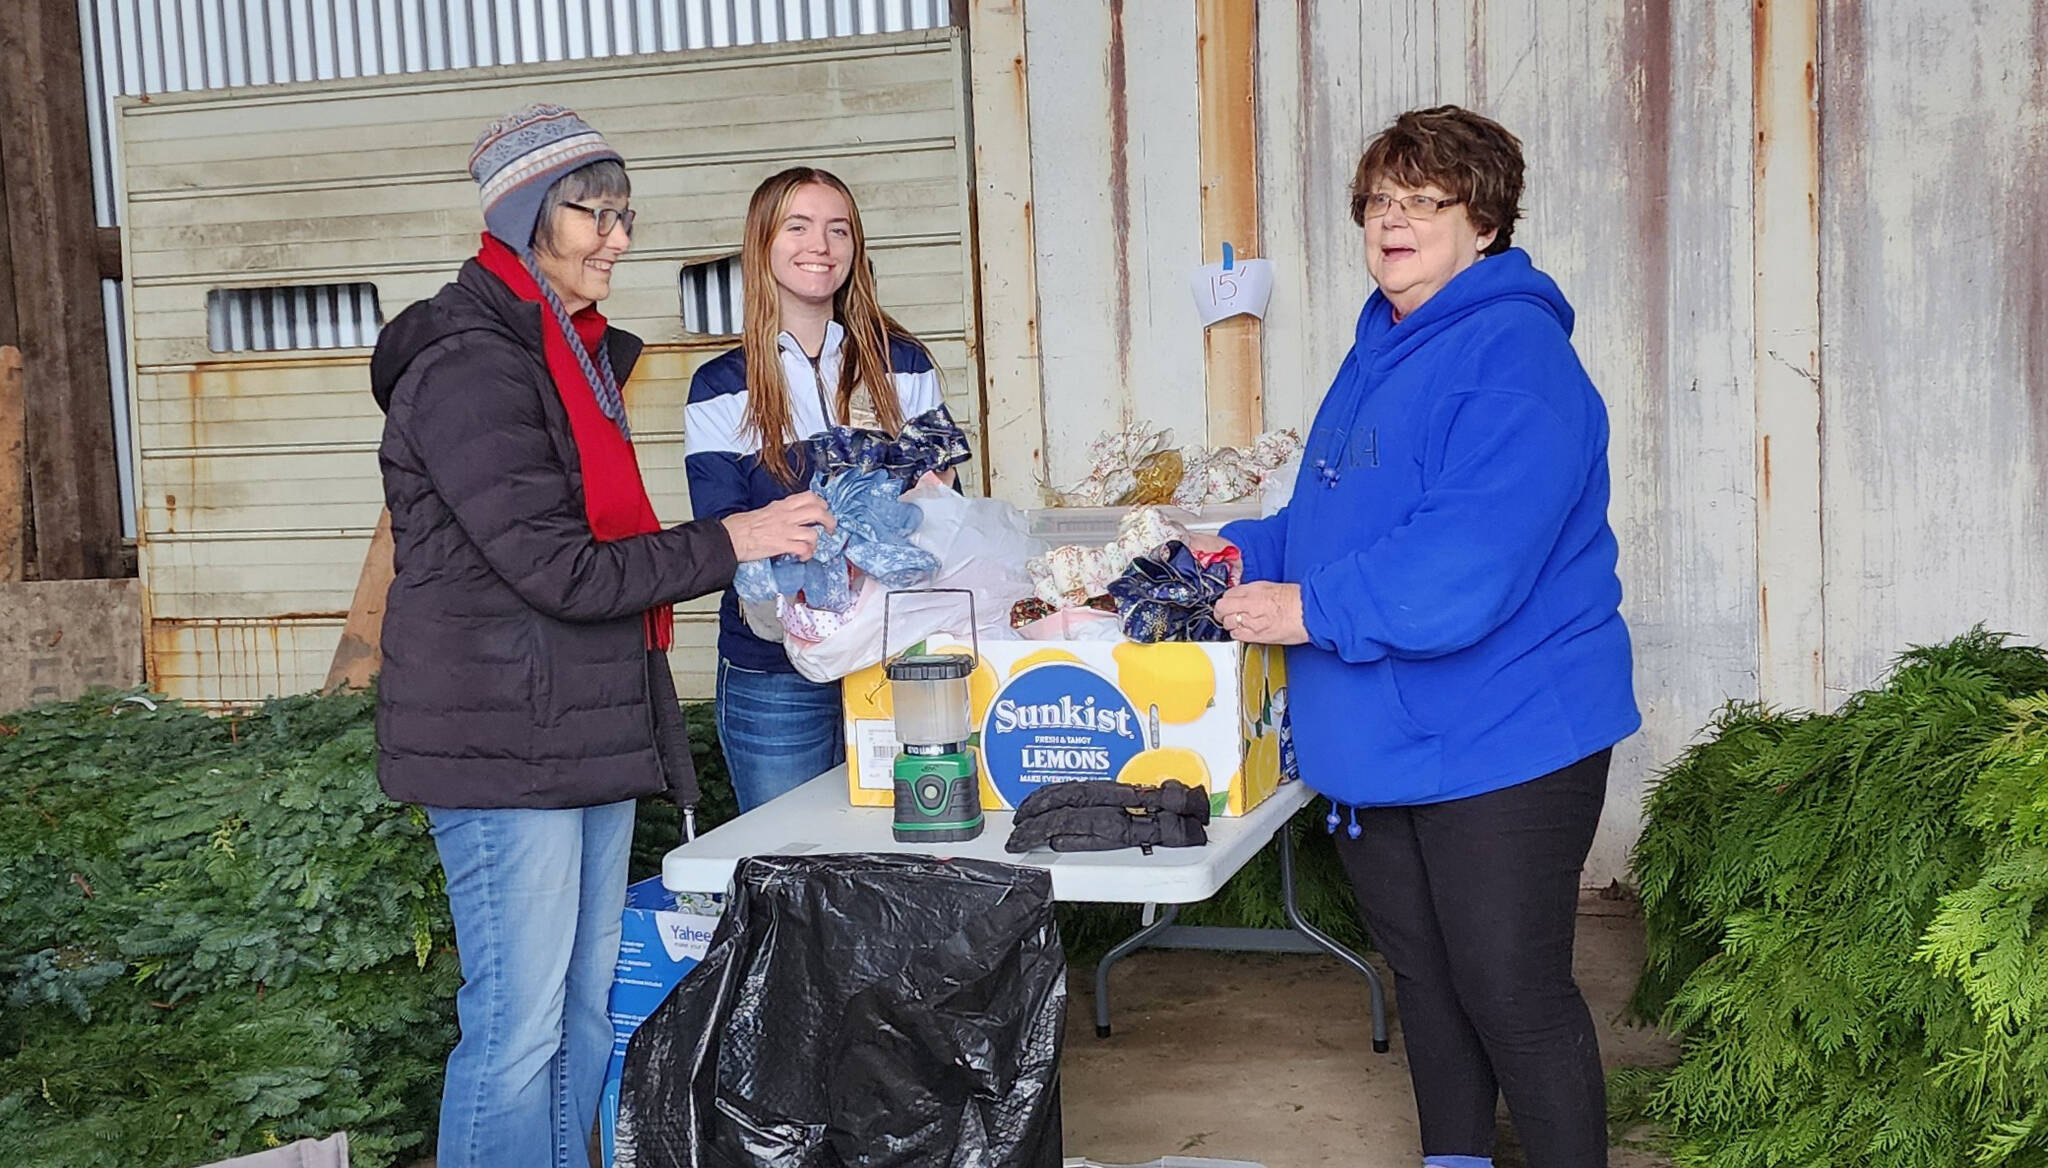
column 1472, row 158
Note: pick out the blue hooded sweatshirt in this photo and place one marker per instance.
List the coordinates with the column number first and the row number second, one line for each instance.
column 1449, row 534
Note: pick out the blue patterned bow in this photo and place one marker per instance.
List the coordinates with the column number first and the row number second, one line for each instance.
column 1170, row 597
column 929, row 442
column 874, row 531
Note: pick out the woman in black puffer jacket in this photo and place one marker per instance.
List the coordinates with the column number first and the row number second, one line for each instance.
column 525, row 698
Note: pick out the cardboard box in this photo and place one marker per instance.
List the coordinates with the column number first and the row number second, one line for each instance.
column 1059, row 711
column 657, row 946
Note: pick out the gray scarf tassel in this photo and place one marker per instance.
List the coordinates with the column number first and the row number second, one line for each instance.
column 603, row 382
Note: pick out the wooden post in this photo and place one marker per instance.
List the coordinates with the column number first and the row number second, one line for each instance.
column 1006, row 256
column 1227, row 43
column 13, row 476
column 10, row 329
column 361, row 651
column 1791, row 624
column 46, row 169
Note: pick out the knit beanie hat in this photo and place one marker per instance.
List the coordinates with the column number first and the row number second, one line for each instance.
column 520, row 156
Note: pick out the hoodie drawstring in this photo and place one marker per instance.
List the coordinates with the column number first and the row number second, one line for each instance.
column 1333, row 819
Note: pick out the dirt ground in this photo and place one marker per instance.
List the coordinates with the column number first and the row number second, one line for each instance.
column 1268, row 1058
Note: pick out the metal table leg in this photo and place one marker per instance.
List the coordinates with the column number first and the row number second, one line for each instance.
column 1164, row 932
column 1301, row 925
column 1124, row 948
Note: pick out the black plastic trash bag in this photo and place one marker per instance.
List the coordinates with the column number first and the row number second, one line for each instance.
column 859, row 1010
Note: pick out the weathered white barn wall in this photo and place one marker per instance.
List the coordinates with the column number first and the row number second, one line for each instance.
column 1934, row 326
column 1636, row 129
column 1118, row 220
column 1802, row 240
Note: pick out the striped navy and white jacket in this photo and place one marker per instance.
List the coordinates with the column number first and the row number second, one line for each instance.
column 723, row 458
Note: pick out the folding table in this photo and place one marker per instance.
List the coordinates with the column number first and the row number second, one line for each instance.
column 816, row 817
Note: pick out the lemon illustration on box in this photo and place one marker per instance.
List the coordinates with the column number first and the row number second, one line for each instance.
column 1261, row 768
column 1175, row 676
column 1041, row 657
column 1045, row 712
column 1160, row 763
column 1264, row 705
column 981, row 690
column 1175, row 684
column 1251, row 692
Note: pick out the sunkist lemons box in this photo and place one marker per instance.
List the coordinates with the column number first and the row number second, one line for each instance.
column 1060, row 711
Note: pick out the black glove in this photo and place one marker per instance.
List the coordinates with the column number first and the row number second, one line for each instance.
column 1172, row 797
column 1102, row 829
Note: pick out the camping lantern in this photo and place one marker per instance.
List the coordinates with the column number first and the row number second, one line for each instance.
column 937, row 789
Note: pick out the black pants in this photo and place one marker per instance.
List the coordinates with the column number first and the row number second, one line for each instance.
column 1473, row 903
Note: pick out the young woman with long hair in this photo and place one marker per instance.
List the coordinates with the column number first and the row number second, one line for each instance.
column 818, row 351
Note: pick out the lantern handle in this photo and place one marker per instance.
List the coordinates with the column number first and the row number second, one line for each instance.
column 973, row 620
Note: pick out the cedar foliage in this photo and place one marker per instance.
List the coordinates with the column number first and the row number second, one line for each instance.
column 1845, row 919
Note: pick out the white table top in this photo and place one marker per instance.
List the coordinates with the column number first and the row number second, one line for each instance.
column 816, row 817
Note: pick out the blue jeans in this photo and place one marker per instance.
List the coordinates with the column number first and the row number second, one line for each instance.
column 779, row 731
column 536, row 897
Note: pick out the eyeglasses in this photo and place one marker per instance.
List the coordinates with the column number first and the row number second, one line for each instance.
column 1377, row 204
column 607, row 218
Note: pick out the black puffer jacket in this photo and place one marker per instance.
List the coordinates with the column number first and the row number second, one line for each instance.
column 516, row 669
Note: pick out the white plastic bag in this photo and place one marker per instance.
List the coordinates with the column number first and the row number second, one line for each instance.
column 857, row 644
column 982, row 546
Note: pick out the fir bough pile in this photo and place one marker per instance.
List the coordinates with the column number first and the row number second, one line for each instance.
column 1846, row 916
column 215, row 935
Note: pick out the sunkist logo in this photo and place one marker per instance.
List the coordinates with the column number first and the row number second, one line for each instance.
column 1065, row 714
column 1057, row 723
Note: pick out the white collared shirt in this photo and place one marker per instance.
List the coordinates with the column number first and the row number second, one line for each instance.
column 715, row 419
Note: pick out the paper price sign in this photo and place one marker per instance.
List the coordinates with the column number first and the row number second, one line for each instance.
column 1231, row 288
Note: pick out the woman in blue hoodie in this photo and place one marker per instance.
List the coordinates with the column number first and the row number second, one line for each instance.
column 1459, row 671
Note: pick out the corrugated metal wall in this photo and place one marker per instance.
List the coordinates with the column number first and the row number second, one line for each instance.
column 1641, row 127
column 713, row 302
column 303, row 316
column 138, row 47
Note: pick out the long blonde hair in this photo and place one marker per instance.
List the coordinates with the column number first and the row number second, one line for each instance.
column 864, row 360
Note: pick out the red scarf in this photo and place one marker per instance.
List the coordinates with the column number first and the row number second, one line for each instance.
column 614, row 497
